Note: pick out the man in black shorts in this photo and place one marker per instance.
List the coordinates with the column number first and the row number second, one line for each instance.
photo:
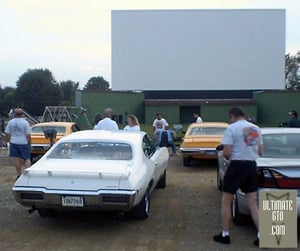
column 242, row 146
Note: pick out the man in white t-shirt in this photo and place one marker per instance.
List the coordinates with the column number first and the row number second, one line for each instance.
column 197, row 118
column 242, row 146
column 18, row 134
column 107, row 123
column 159, row 123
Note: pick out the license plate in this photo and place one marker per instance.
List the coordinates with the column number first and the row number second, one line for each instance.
column 72, row 201
column 210, row 153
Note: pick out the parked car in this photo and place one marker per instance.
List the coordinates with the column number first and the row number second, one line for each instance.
column 95, row 170
column 278, row 168
column 200, row 141
column 41, row 135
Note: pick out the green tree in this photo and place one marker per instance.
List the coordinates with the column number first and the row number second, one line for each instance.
column 96, row 83
column 36, row 89
column 292, row 71
column 7, row 100
column 68, row 89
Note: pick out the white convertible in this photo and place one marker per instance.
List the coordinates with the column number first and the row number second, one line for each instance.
column 95, row 170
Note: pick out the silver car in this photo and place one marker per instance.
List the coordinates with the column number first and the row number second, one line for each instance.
column 278, row 168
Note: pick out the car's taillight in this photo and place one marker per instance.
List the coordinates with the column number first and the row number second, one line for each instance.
column 268, row 178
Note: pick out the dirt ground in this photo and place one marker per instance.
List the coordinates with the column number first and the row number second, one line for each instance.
column 184, row 216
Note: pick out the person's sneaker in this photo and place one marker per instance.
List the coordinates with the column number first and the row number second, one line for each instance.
column 256, row 242
column 219, row 238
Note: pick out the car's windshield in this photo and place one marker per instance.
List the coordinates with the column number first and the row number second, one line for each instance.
column 207, row 131
column 92, row 150
column 41, row 129
column 281, row 145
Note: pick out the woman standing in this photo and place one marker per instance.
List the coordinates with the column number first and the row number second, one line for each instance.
column 133, row 123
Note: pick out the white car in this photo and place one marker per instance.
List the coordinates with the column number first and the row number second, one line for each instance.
column 95, row 170
column 278, row 168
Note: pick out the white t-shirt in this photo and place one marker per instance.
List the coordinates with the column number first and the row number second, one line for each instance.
column 18, row 128
column 135, row 128
column 244, row 138
column 160, row 124
column 107, row 124
column 199, row 120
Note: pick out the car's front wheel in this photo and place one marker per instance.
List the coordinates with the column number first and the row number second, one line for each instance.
column 186, row 161
column 142, row 210
column 162, row 181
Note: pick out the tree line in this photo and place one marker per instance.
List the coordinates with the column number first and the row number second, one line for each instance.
column 37, row 88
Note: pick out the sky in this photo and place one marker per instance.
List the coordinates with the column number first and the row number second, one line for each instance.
column 72, row 39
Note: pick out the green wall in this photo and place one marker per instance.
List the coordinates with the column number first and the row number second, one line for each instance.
column 273, row 106
column 209, row 112
column 268, row 108
column 122, row 103
column 214, row 113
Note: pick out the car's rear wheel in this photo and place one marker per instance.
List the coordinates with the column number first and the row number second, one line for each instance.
column 186, row 161
column 142, row 210
column 162, row 182
column 44, row 212
column 237, row 217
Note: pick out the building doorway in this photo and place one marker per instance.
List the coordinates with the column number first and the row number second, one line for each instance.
column 186, row 113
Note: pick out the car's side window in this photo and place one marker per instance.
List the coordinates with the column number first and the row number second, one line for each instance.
column 148, row 147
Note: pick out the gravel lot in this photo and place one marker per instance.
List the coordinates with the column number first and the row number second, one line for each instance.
column 184, row 216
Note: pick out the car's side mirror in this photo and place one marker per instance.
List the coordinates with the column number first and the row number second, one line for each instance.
column 220, row 147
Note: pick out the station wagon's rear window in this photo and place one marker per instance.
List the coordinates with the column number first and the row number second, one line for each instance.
column 41, row 129
column 92, row 150
column 207, row 131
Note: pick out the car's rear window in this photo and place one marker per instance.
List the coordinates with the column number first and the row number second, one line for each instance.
column 207, row 131
column 41, row 129
column 281, row 145
column 92, row 150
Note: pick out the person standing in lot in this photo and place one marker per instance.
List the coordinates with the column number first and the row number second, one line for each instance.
column 159, row 123
column 18, row 134
column 133, row 123
column 293, row 119
column 197, row 118
column 107, row 123
column 242, row 146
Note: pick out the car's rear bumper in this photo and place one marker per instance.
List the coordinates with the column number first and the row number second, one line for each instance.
column 198, row 152
column 112, row 200
column 243, row 206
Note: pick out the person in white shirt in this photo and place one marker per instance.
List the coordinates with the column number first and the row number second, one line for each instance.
column 18, row 134
column 243, row 144
column 133, row 123
column 197, row 117
column 159, row 123
column 107, row 123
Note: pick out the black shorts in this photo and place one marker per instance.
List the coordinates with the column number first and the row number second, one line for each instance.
column 241, row 174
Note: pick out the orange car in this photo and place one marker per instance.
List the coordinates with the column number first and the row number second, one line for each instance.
column 200, row 141
column 45, row 134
